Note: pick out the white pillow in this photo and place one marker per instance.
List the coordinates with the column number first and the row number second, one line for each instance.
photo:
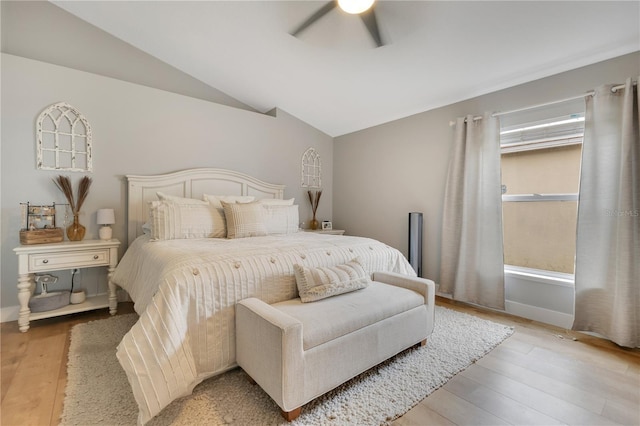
column 146, row 228
column 172, row 220
column 244, row 219
column 281, row 219
column 276, row 201
column 322, row 282
column 216, row 200
column 174, row 198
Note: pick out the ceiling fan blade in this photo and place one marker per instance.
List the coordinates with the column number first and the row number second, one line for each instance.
column 370, row 21
column 313, row 18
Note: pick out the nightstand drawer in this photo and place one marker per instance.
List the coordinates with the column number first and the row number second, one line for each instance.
column 68, row 260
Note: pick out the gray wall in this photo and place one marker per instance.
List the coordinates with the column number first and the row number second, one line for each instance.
column 384, row 172
column 137, row 130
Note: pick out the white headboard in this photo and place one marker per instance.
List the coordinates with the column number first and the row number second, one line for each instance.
column 190, row 183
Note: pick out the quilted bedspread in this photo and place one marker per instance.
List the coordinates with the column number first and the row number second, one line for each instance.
column 185, row 292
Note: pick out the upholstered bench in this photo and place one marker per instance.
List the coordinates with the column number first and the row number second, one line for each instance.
column 298, row 351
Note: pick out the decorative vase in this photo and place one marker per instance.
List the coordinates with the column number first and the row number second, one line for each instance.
column 77, row 296
column 75, row 231
column 314, row 224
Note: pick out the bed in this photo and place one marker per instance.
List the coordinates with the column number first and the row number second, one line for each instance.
column 185, row 287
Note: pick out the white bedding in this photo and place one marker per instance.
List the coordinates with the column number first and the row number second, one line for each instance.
column 185, row 293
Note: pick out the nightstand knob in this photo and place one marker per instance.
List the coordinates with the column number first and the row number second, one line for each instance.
column 45, row 261
column 95, row 257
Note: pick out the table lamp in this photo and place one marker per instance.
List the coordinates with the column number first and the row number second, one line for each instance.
column 105, row 217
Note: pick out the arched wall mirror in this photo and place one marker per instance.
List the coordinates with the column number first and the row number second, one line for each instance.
column 311, row 169
column 64, row 139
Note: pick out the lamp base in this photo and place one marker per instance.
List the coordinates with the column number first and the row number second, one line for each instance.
column 105, row 233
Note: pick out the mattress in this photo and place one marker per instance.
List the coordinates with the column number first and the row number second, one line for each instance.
column 185, row 292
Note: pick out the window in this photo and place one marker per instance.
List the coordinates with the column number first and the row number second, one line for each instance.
column 540, row 177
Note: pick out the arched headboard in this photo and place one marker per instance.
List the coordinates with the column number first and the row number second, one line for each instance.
column 190, row 183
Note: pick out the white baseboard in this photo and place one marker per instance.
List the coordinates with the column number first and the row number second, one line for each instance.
column 547, row 316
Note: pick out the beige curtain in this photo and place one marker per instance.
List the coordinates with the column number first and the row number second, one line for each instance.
column 608, row 241
column 472, row 265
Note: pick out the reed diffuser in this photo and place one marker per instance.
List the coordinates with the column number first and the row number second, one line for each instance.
column 314, row 199
column 75, row 231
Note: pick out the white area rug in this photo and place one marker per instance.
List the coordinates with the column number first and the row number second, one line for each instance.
column 98, row 391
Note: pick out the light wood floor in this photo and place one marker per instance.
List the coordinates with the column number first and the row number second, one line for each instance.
column 538, row 376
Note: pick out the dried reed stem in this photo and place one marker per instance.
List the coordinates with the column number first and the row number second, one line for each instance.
column 314, row 199
column 64, row 184
column 83, row 191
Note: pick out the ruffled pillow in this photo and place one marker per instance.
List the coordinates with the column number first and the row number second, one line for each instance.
column 322, row 282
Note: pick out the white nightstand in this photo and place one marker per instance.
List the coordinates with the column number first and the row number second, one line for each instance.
column 39, row 258
column 326, row 231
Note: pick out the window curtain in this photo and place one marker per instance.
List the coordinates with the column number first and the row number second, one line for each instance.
column 607, row 276
column 472, row 262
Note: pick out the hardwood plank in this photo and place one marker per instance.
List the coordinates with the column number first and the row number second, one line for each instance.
column 56, row 412
column 633, row 371
column 33, row 393
column 521, row 345
column 533, row 398
column 555, row 396
column 579, row 346
column 602, row 382
column 616, row 361
column 573, row 394
column 10, row 357
column 459, row 411
column 30, row 399
column 421, row 415
column 623, row 412
column 496, row 403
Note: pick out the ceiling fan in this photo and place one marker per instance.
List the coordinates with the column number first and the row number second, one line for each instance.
column 364, row 8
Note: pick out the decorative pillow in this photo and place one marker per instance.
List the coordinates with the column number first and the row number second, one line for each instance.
column 244, row 219
column 172, row 220
column 281, row 219
column 320, row 283
column 276, row 201
column 146, row 228
column 216, row 200
column 174, row 198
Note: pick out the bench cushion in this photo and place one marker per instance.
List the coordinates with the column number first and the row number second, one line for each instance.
column 330, row 318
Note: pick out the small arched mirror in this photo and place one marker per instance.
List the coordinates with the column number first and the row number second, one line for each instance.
column 311, row 169
column 64, row 139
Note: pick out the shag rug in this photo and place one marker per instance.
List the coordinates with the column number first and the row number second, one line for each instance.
column 98, row 392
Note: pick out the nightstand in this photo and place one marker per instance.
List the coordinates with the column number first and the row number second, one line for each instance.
column 38, row 258
column 326, row 231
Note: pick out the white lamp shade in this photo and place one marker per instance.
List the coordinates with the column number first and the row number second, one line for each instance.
column 106, row 217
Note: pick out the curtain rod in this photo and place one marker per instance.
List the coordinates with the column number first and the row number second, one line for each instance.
column 559, row 101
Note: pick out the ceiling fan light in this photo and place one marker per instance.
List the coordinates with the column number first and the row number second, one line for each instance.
column 355, row 6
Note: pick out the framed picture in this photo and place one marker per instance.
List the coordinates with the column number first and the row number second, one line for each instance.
column 326, row 225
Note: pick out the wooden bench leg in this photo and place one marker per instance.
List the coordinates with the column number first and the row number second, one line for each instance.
column 291, row 415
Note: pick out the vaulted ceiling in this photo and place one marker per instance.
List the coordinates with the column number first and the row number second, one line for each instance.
column 333, row 77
